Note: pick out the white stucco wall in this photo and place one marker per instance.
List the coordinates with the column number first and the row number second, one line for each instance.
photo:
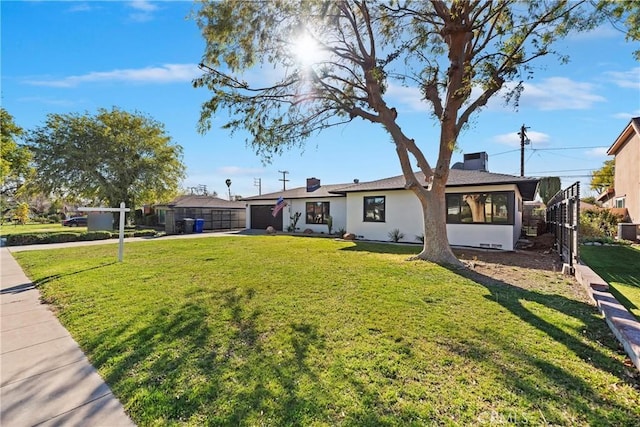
column 403, row 211
column 337, row 210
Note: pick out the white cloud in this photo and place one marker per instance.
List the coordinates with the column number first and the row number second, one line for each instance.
column 48, row 101
column 143, row 5
column 538, row 139
column 602, row 32
column 408, row 98
column 144, row 10
column 627, row 116
column 554, row 93
column 626, row 79
column 597, row 152
column 80, row 7
column 559, row 93
column 168, row 73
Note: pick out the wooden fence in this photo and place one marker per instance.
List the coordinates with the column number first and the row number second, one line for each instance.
column 563, row 219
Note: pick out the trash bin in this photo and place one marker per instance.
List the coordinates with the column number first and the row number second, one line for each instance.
column 198, row 226
column 188, row 225
column 179, row 226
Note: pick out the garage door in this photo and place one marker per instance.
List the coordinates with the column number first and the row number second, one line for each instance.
column 261, row 217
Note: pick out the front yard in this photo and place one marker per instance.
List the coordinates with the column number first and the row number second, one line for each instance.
column 278, row 330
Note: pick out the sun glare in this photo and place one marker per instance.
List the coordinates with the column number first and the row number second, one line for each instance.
column 306, row 50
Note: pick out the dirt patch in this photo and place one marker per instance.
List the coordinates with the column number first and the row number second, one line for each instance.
column 536, row 268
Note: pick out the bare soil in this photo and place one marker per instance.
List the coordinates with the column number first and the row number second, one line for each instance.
column 536, row 268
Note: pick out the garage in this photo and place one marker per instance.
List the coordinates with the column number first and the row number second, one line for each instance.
column 261, row 217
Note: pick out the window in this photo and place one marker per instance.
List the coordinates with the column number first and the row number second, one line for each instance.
column 317, row 212
column 161, row 216
column 374, row 209
column 480, row 208
column 620, row 202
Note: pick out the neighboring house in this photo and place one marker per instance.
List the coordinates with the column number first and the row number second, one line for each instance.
column 315, row 203
column 626, row 187
column 483, row 209
column 218, row 214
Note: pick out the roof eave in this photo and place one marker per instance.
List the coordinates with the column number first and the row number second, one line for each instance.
column 633, row 126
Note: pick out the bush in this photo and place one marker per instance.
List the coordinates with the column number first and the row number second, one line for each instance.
column 64, row 237
column 27, row 239
column 595, row 225
column 396, row 235
column 55, row 218
column 96, row 235
column 144, row 233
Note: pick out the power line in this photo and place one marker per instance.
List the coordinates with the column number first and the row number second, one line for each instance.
column 550, row 149
column 565, row 170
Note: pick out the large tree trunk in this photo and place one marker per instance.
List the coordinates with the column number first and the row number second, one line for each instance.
column 436, row 244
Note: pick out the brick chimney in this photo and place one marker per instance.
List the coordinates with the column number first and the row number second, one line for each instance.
column 312, row 184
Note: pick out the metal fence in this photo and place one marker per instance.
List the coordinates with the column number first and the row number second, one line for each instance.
column 563, row 219
column 215, row 219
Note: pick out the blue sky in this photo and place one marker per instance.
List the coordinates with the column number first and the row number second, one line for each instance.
column 74, row 56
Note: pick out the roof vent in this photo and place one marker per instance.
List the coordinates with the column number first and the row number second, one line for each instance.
column 356, row 181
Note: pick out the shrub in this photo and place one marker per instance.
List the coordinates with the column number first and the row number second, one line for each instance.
column 341, row 232
column 63, row 237
column 144, row 233
column 396, row 235
column 27, row 239
column 420, row 238
column 596, row 225
column 55, row 218
column 96, row 235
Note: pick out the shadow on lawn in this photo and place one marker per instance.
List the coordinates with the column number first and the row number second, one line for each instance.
column 47, row 279
column 179, row 364
column 580, row 395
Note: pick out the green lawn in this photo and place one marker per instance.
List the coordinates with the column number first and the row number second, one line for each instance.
column 620, row 266
column 280, row 330
column 6, row 229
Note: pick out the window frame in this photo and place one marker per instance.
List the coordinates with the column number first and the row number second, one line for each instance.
column 462, row 209
column 324, row 214
column 384, row 209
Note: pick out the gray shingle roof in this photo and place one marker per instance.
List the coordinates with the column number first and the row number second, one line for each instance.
column 302, row 193
column 457, row 178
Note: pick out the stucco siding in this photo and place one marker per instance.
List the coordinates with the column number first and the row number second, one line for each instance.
column 337, row 210
column 402, row 211
column 627, row 176
column 481, row 236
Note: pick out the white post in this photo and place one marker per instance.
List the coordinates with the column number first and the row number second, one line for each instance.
column 121, row 248
column 122, row 211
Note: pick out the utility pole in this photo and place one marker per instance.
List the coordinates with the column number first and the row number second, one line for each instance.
column 284, row 179
column 523, row 141
column 257, row 182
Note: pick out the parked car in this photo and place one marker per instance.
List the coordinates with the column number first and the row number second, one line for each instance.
column 78, row 221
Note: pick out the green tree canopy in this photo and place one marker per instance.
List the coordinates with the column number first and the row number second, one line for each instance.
column 548, row 186
column 337, row 58
column 14, row 158
column 602, row 178
column 111, row 157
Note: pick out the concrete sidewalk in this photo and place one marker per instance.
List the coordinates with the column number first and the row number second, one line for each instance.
column 45, row 379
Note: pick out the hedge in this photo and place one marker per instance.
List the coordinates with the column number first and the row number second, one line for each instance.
column 68, row 236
